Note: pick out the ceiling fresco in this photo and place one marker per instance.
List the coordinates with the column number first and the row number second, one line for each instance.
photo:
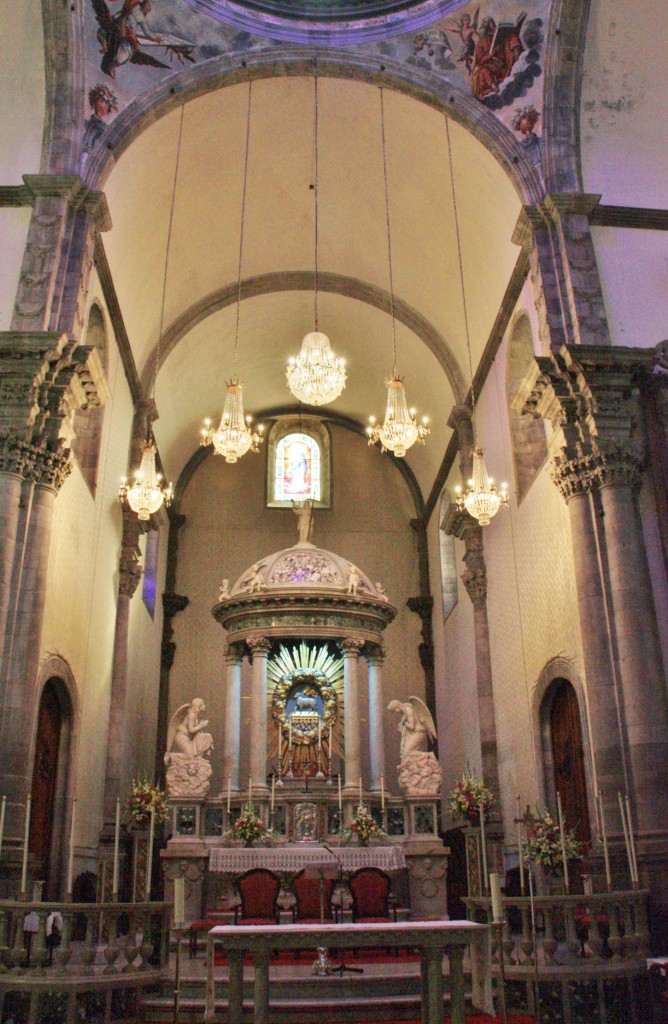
column 495, row 51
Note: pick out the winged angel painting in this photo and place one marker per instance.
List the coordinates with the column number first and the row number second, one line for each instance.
column 126, row 37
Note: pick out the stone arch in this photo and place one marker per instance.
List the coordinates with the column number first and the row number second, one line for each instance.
column 559, row 673
column 527, row 434
column 448, row 559
column 449, row 97
column 89, row 421
column 57, row 689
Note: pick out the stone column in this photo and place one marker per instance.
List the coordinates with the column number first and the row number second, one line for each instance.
column 375, row 658
column 259, row 646
column 234, row 657
column 350, row 648
column 129, row 575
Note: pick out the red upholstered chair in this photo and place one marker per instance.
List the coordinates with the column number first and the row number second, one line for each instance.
column 370, row 890
column 258, row 891
column 307, row 895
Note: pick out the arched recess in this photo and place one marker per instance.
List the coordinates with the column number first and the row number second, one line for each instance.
column 53, row 774
column 450, row 97
column 562, row 737
column 88, row 421
column 527, row 434
column 448, row 559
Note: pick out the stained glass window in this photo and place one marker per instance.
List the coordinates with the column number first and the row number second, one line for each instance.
column 297, row 468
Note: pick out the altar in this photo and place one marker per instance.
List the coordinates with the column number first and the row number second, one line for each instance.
column 294, row 858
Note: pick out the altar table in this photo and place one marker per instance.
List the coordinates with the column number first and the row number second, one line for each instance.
column 293, row 858
column 432, row 938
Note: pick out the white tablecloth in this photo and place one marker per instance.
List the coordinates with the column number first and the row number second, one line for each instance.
column 294, row 858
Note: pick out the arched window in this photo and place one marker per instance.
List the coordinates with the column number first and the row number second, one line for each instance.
column 88, row 421
column 298, row 462
column 527, row 434
column 446, row 543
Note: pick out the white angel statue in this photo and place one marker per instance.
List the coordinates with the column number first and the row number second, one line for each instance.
column 419, row 771
column 188, row 752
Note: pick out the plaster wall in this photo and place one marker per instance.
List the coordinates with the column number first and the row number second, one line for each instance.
column 632, row 266
column 22, row 90
column 14, row 224
column 228, row 527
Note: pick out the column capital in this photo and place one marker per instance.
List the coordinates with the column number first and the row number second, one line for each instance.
column 129, row 566
column 350, row 646
column 374, row 654
column 234, row 653
column 259, row 645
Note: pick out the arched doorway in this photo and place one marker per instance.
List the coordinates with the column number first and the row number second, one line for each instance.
column 49, row 782
column 568, row 756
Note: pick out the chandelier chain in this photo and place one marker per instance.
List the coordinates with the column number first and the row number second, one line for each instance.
column 461, row 276
column 389, row 233
column 156, row 365
column 315, row 187
column 242, row 225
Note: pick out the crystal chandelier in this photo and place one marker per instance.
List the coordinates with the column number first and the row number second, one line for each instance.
column 481, row 499
column 316, row 376
column 400, row 429
column 149, row 491
column 234, row 437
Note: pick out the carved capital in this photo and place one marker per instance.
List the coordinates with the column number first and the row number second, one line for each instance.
column 593, row 467
column 350, row 646
column 374, row 654
column 234, row 653
column 475, row 581
column 129, row 565
column 259, row 645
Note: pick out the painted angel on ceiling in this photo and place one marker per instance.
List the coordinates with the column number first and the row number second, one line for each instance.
column 125, row 36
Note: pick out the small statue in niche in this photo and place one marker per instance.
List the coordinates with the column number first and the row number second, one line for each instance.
column 256, row 579
column 304, row 512
column 354, row 578
column 188, row 752
column 224, row 590
column 420, row 773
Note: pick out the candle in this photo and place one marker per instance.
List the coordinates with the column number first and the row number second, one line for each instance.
column 562, row 836
column 632, row 840
column 229, row 793
column 340, row 794
column 519, row 845
column 289, row 735
column 117, row 834
column 481, row 812
column 179, row 901
column 382, row 792
column 330, row 744
column 495, row 890
column 319, row 735
column 149, row 854
column 273, row 792
column 604, row 838
column 24, row 870
column 2, row 820
column 361, row 804
column 250, row 791
column 626, row 836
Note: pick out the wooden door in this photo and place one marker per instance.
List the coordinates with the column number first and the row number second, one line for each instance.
column 568, row 758
column 49, row 725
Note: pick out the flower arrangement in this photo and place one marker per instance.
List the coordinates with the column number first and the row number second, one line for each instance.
column 363, row 827
column 144, row 795
column 543, row 844
column 249, row 828
column 467, row 797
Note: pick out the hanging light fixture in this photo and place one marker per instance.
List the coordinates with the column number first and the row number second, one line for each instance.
column 234, row 436
column 481, row 499
column 400, row 429
column 149, row 491
column 316, row 376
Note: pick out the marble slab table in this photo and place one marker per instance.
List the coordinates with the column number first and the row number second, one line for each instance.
column 433, row 940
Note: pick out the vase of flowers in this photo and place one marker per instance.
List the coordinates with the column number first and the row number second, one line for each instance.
column 363, row 829
column 249, row 829
column 143, row 796
column 543, row 844
column 467, row 796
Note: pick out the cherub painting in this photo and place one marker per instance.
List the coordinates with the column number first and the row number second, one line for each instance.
column 125, row 36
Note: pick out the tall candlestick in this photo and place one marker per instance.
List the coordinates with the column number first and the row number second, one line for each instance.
column 70, row 863
column 24, row 870
column 273, row 792
column 562, row 836
column 382, row 792
column 179, row 901
column 626, row 837
column 483, row 842
column 520, row 851
column 495, row 890
column 604, row 838
column 289, row 735
column 319, row 734
column 250, row 791
column 229, row 793
column 149, row 854
column 340, row 794
column 117, row 835
column 2, row 820
column 632, row 840
column 361, row 804
column 330, row 745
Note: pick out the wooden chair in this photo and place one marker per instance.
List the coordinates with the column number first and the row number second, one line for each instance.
column 258, row 891
column 370, row 890
column 307, row 896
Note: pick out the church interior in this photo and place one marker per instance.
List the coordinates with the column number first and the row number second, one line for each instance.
column 334, row 506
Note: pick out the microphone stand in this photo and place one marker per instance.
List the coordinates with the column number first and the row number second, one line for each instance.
column 343, row 966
